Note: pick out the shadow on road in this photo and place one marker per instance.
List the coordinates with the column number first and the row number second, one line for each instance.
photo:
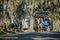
column 44, row 35
column 38, row 35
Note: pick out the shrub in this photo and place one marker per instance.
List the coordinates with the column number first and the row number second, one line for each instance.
column 11, row 26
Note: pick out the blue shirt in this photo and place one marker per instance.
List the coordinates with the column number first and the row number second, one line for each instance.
column 46, row 22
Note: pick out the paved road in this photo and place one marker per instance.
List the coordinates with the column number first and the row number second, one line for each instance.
column 31, row 36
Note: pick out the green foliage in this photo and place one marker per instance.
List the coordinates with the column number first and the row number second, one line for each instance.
column 20, row 12
column 52, row 7
column 11, row 26
column 37, row 0
column 1, row 15
column 1, row 27
column 38, row 15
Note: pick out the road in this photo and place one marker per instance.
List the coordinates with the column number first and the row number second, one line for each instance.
column 31, row 36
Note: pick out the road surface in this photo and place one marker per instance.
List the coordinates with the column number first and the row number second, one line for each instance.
column 31, row 36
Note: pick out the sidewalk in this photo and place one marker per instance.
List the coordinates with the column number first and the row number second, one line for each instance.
column 14, row 33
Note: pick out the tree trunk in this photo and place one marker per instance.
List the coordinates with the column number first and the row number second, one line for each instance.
column 31, row 24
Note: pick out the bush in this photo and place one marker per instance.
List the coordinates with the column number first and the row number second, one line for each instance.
column 25, row 28
column 1, row 27
column 11, row 26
